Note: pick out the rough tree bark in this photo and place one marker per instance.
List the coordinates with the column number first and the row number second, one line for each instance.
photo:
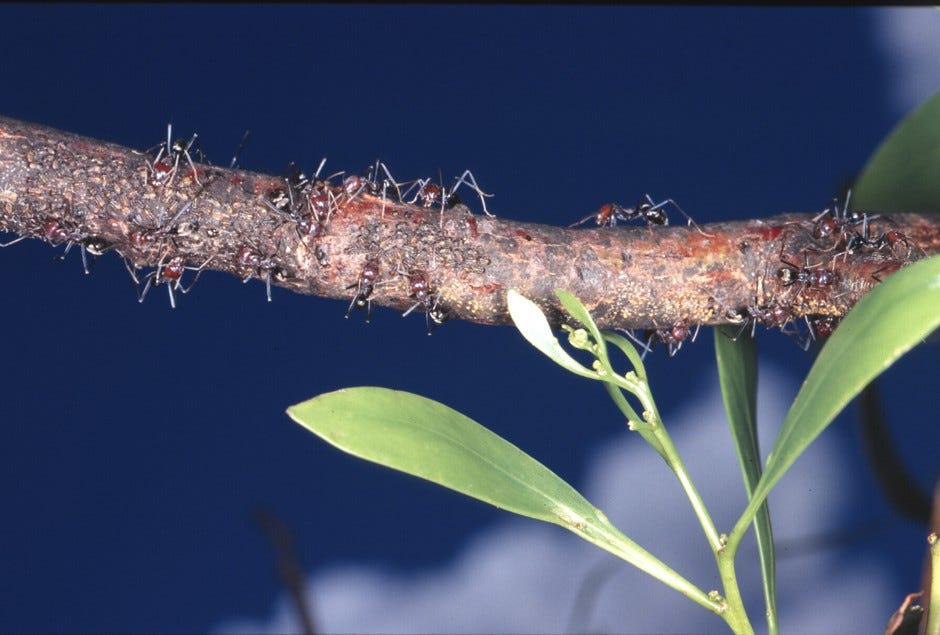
column 64, row 188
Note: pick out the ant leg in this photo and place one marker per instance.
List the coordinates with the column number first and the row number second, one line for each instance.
column 13, row 242
column 845, row 206
column 143, row 294
column 689, row 221
column 198, row 270
column 316, row 174
column 584, row 220
column 444, row 197
column 169, row 291
column 420, row 183
column 130, row 271
column 695, row 333
column 238, row 150
column 413, row 307
column 467, row 179
column 85, row 264
column 189, row 158
column 391, row 181
column 352, row 304
column 189, row 204
column 645, row 346
column 267, row 284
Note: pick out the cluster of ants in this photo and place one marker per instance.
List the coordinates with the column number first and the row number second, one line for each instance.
column 308, row 203
column 835, row 230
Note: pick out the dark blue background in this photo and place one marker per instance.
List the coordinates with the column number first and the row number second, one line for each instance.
column 138, row 440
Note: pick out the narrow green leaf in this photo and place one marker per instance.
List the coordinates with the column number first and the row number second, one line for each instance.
column 901, row 175
column 885, row 324
column 533, row 325
column 737, row 373
column 427, row 439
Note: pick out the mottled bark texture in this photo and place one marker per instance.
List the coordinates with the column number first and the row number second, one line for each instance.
column 63, row 188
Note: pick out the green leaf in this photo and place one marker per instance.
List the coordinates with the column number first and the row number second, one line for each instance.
column 533, row 325
column 737, row 373
column 885, row 324
column 901, row 175
column 427, row 439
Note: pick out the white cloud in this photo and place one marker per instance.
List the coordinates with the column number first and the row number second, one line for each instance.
column 909, row 38
column 526, row 577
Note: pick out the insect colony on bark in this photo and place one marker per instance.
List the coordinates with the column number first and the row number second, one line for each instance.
column 307, row 205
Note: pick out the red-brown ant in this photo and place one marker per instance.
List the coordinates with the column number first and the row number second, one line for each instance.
column 303, row 201
column 166, row 163
column 421, row 291
column 833, row 222
column 432, row 194
column 259, row 266
column 364, row 288
column 55, row 233
column 822, row 326
column 672, row 337
column 169, row 272
column 862, row 240
column 611, row 213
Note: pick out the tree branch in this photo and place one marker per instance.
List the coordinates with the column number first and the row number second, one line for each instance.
column 345, row 240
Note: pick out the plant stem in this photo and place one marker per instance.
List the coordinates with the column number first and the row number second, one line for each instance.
column 54, row 183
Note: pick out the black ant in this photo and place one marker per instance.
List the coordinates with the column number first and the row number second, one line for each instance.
column 169, row 273
column 806, row 275
column 653, row 213
column 364, row 288
column 421, row 291
column 249, row 258
column 166, row 163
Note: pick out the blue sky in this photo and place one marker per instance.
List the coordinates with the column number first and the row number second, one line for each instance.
column 139, row 440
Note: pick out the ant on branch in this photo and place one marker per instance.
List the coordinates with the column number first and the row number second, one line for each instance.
column 167, row 161
column 304, row 201
column 56, row 232
column 807, row 276
column 862, row 240
column 672, row 337
column 431, row 194
column 653, row 213
column 421, row 291
column 822, row 326
column 169, row 272
column 260, row 266
column 364, row 286
column 388, row 184
column 833, row 222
